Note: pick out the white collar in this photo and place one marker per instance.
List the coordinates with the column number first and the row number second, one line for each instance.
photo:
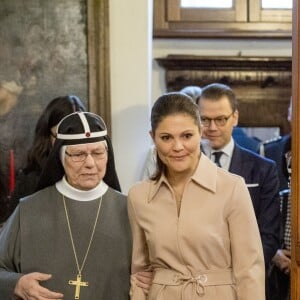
column 67, row 190
column 228, row 149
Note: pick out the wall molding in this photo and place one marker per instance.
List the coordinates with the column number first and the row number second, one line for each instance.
column 262, row 84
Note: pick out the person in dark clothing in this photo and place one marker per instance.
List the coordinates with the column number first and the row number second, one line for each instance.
column 279, row 274
column 275, row 149
column 44, row 138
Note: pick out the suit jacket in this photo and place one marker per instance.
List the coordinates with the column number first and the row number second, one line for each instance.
column 262, row 179
column 276, row 150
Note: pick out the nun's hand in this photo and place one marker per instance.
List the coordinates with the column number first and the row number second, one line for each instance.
column 28, row 288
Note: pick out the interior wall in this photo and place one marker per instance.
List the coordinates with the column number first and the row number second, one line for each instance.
column 130, row 62
column 137, row 80
column 211, row 47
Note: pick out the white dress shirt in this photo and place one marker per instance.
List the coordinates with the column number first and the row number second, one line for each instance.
column 227, row 152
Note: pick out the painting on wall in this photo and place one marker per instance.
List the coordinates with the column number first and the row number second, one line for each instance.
column 43, row 55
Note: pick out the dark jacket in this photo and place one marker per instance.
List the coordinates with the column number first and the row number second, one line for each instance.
column 261, row 177
column 276, row 150
column 26, row 184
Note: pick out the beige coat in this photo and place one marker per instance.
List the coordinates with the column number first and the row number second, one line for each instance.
column 211, row 251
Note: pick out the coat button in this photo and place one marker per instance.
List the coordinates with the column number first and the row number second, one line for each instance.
column 203, row 278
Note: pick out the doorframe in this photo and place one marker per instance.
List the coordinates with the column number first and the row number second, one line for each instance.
column 295, row 187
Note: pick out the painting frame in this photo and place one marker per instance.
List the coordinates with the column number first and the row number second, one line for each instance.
column 98, row 59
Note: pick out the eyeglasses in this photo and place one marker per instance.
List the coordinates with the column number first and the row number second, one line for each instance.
column 82, row 156
column 219, row 121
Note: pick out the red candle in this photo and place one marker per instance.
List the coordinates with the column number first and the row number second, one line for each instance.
column 11, row 172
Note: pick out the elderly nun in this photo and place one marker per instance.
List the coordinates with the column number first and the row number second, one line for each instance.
column 71, row 239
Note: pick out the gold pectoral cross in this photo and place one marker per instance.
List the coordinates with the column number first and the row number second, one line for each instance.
column 78, row 284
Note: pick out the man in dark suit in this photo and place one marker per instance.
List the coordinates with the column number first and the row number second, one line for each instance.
column 276, row 150
column 219, row 115
column 279, row 276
